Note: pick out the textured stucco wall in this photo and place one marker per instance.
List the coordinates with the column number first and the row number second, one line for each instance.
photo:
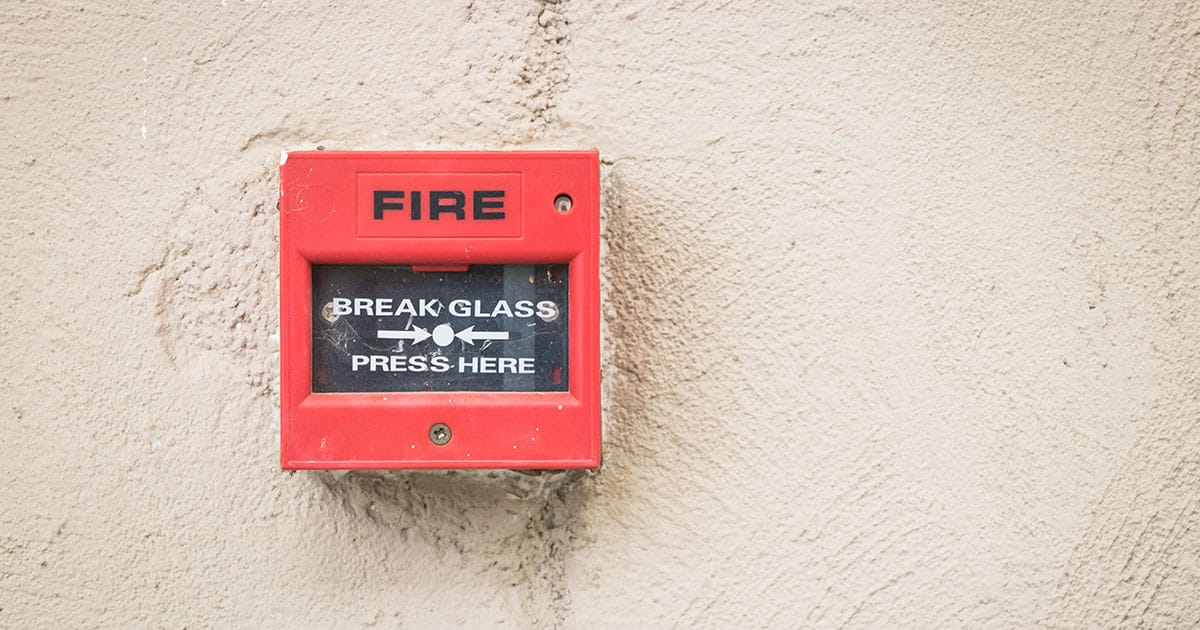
column 902, row 315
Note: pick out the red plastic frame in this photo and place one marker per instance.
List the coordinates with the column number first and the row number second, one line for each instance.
column 319, row 204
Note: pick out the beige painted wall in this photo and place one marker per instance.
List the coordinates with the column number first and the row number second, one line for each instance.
column 902, row 315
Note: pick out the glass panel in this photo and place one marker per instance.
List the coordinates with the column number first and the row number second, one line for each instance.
column 387, row 328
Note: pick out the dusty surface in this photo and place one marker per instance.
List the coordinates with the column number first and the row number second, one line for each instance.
column 902, row 315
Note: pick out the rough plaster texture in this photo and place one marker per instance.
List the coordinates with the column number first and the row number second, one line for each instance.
column 902, row 315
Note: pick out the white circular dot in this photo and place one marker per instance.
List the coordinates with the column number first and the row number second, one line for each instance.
column 443, row 334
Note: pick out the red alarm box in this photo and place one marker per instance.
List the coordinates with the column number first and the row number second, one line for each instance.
column 440, row 309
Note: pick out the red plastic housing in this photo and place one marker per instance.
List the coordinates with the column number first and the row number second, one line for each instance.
column 325, row 210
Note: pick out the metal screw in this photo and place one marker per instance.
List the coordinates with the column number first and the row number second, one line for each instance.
column 551, row 313
column 563, row 203
column 327, row 313
column 439, row 434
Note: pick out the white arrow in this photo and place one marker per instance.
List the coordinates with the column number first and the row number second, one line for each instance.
column 417, row 334
column 470, row 336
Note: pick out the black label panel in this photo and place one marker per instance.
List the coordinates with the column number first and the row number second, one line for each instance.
column 491, row 328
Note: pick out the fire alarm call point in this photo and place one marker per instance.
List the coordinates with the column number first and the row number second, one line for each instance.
column 439, row 309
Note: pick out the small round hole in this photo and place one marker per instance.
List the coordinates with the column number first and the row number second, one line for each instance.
column 563, row 203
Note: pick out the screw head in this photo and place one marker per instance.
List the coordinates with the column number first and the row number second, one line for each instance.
column 439, row 434
column 327, row 313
